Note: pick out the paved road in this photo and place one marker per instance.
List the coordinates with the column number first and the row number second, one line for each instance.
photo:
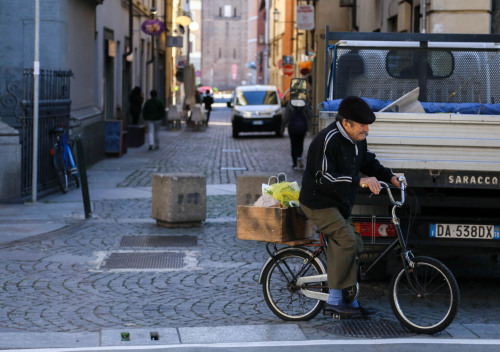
column 56, row 291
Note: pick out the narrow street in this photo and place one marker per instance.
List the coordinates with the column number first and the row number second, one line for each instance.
column 56, row 289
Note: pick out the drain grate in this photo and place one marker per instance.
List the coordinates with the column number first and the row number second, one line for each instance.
column 159, row 241
column 374, row 329
column 370, row 292
column 144, row 260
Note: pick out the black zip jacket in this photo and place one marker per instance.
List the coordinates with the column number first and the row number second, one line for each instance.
column 334, row 163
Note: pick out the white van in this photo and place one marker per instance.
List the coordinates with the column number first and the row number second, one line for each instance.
column 257, row 109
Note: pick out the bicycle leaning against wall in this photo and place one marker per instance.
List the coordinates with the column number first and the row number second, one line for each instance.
column 62, row 159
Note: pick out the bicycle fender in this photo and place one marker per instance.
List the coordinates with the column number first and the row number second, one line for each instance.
column 284, row 250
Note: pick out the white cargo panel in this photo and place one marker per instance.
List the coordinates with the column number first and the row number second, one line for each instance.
column 433, row 141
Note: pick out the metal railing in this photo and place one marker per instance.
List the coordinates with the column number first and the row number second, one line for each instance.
column 54, row 111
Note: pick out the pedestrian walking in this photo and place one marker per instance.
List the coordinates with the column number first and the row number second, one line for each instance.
column 208, row 101
column 297, row 119
column 153, row 112
column 136, row 98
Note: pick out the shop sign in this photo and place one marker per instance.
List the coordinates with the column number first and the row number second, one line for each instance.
column 153, row 27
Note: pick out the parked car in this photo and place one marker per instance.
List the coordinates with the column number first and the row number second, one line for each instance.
column 257, row 108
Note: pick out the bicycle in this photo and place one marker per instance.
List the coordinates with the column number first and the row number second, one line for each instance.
column 62, row 159
column 424, row 294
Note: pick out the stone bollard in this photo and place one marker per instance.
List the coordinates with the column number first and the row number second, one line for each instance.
column 179, row 199
column 249, row 187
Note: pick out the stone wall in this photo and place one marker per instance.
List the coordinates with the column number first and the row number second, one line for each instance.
column 10, row 163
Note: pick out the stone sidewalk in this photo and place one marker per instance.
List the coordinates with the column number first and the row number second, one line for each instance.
column 57, row 288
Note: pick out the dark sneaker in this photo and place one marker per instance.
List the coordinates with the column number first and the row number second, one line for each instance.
column 367, row 311
column 340, row 309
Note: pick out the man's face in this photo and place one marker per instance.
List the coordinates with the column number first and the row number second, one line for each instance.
column 356, row 131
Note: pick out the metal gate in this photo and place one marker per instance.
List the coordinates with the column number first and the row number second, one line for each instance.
column 53, row 111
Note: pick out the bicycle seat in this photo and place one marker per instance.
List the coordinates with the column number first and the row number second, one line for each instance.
column 56, row 130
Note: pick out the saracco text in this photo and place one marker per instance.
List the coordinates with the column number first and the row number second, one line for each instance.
column 472, row 180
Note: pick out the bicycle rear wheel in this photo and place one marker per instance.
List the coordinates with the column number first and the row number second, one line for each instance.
column 60, row 167
column 280, row 292
column 426, row 300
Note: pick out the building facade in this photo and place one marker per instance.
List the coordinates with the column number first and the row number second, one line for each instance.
column 224, row 45
column 414, row 16
column 91, row 54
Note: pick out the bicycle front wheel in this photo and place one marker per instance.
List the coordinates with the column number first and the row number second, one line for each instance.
column 282, row 296
column 61, row 170
column 425, row 299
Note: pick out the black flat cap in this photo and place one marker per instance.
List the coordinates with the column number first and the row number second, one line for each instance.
column 356, row 109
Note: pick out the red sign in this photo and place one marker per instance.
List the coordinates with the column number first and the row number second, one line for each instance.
column 288, row 70
column 153, row 27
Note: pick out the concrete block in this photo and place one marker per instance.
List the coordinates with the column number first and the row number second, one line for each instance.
column 249, row 187
column 240, row 333
column 179, row 199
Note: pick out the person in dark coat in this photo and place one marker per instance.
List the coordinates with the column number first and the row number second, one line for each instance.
column 153, row 113
column 339, row 163
column 136, row 99
column 297, row 119
column 208, row 101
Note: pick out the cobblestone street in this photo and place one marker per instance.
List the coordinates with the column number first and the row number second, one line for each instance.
column 57, row 281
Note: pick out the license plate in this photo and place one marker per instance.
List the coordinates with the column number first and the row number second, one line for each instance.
column 471, row 231
column 258, row 122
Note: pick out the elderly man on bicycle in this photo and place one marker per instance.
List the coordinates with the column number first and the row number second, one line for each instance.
column 336, row 158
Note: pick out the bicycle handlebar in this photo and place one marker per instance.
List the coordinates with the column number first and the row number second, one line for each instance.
column 401, row 180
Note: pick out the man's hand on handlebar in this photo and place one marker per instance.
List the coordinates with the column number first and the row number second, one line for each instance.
column 372, row 183
column 395, row 181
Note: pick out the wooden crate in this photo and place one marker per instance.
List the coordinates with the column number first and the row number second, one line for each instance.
column 271, row 224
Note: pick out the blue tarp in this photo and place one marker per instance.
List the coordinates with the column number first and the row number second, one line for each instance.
column 433, row 108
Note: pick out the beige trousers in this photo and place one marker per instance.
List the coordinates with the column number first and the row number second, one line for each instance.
column 344, row 246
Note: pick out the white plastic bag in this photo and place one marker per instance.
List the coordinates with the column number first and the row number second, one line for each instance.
column 266, row 200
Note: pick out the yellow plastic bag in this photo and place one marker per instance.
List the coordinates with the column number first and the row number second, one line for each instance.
column 284, row 192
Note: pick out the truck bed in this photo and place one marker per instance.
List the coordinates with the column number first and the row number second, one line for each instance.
column 422, row 141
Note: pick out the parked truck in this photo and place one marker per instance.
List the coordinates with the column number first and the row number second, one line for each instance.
column 437, row 104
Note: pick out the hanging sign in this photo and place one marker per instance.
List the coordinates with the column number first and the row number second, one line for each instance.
column 305, row 17
column 153, row 27
column 174, row 41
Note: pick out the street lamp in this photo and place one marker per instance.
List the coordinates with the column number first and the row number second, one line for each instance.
column 276, row 15
column 194, row 26
column 183, row 20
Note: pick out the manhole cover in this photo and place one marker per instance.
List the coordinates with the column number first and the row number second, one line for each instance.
column 144, row 260
column 159, row 241
column 374, row 329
